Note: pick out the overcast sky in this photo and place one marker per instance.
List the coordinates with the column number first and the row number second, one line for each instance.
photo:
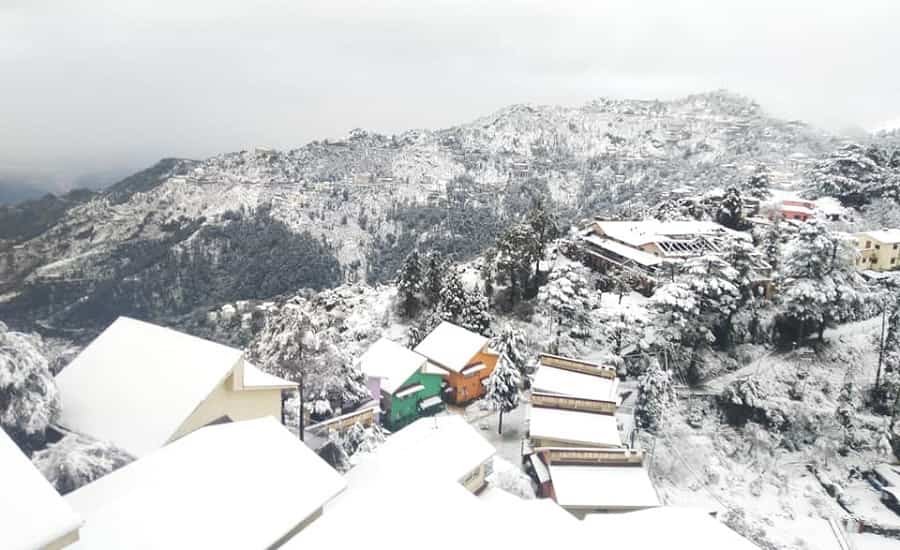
column 100, row 87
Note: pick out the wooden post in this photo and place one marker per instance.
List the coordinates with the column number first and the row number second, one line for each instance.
column 881, row 346
column 301, row 422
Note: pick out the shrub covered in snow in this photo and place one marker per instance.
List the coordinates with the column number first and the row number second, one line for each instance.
column 502, row 388
column 76, row 460
column 29, row 399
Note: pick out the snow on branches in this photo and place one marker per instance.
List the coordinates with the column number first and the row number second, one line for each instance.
column 76, row 460
column 29, row 399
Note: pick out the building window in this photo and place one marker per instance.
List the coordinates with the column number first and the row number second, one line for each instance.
column 895, row 246
column 893, row 260
column 877, row 247
column 868, row 244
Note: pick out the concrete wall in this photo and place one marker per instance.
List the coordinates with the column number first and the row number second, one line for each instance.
column 240, row 405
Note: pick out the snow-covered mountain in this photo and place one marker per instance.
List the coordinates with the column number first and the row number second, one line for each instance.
column 186, row 234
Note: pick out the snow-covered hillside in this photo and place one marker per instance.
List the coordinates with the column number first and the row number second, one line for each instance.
column 154, row 244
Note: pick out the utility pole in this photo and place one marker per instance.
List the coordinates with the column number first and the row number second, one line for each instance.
column 881, row 345
column 302, row 428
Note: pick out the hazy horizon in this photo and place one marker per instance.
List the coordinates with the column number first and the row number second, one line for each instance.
column 99, row 90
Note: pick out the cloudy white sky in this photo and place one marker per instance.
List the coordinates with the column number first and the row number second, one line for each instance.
column 104, row 87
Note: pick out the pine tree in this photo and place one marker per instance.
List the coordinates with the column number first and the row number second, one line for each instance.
column 29, row 399
column 656, row 395
column 410, row 282
column 544, row 225
column 731, row 211
column 511, row 344
column 758, row 183
column 502, row 388
column 818, row 281
column 435, row 266
column 517, row 250
column 462, row 306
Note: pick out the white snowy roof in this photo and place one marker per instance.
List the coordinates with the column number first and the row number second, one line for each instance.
column 637, row 233
column 886, row 236
column 136, row 383
column 417, row 515
column 254, row 377
column 390, row 362
column 238, row 485
column 441, row 447
column 33, row 514
column 575, row 427
column 603, row 487
column 673, row 528
column 450, row 346
column 636, row 255
column 575, row 384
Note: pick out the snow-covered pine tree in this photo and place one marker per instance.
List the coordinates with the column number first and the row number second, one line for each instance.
column 570, row 298
column 434, row 268
column 511, row 344
column 758, row 183
column 502, row 388
column 76, row 460
column 410, row 280
column 29, row 399
column 818, row 282
column 656, row 395
column 518, row 248
column 731, row 210
column 465, row 307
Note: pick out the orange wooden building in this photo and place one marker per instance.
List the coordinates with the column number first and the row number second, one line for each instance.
column 462, row 357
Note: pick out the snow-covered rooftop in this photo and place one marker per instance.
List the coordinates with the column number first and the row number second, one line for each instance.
column 670, row 527
column 33, row 514
column 441, row 447
column 451, row 346
column 603, row 487
column 886, row 236
column 575, row 384
column 254, row 377
column 239, row 485
column 637, row 233
column 575, row 427
column 136, row 383
column 390, row 362
column 633, row 254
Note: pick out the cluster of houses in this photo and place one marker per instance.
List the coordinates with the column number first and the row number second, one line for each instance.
column 575, row 449
column 215, row 468
column 448, row 366
column 650, row 251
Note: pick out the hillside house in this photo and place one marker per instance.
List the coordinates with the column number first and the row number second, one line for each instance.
column 462, row 357
column 32, row 514
column 668, row 240
column 397, row 379
column 142, row 386
column 242, row 485
column 795, row 209
column 878, row 250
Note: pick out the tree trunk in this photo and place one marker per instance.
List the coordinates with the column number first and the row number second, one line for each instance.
column 500, row 423
column 822, row 331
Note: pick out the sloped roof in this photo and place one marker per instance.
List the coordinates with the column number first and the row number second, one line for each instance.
column 575, row 427
column 254, row 378
column 638, row 233
column 575, row 384
column 137, row 383
column 391, row 362
column 33, row 514
column 603, row 487
column 233, row 486
column 451, row 346
column 670, row 527
column 441, row 447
